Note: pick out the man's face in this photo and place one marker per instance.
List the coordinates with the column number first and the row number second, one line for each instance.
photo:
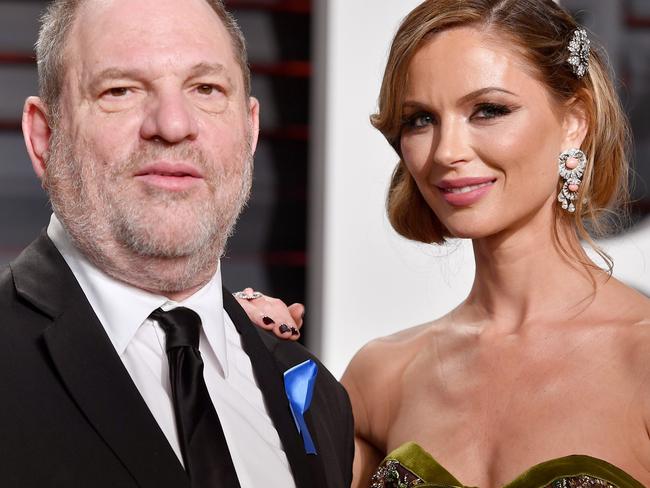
column 153, row 152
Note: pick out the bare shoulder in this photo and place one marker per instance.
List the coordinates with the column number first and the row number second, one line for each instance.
column 627, row 312
column 626, row 306
column 385, row 357
column 374, row 378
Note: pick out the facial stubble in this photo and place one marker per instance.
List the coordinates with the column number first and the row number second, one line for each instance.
column 151, row 238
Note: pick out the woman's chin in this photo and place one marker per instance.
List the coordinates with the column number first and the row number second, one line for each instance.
column 471, row 230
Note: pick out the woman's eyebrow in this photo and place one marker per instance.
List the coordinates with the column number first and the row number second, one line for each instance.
column 416, row 105
column 413, row 105
column 485, row 91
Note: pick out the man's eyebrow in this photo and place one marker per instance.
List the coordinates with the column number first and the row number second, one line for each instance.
column 199, row 69
column 208, row 69
column 117, row 73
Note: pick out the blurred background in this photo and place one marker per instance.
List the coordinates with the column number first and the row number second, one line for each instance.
column 315, row 229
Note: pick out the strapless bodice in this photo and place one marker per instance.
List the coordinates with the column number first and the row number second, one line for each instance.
column 411, row 466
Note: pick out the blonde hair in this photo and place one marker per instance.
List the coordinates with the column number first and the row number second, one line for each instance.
column 540, row 31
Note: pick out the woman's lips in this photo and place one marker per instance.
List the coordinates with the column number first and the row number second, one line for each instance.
column 465, row 191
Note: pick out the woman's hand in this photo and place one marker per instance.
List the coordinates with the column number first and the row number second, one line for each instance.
column 272, row 313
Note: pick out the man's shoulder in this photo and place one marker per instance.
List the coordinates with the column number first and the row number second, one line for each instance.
column 291, row 353
column 35, row 286
column 285, row 353
column 5, row 276
column 6, row 286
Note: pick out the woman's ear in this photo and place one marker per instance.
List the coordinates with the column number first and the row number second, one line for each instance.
column 37, row 134
column 575, row 124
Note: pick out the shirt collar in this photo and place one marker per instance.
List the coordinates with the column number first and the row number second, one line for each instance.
column 122, row 308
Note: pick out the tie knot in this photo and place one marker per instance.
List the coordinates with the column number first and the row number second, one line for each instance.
column 182, row 326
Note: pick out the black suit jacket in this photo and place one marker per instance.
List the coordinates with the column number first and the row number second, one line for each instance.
column 70, row 415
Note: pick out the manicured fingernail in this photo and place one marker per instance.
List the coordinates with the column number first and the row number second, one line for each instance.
column 294, row 331
column 268, row 320
column 284, row 328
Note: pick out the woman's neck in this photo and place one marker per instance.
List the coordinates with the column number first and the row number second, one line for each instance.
column 527, row 276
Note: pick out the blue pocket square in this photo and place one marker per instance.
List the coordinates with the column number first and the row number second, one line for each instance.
column 299, row 386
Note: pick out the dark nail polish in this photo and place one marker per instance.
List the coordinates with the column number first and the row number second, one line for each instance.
column 284, row 328
column 268, row 320
column 294, row 331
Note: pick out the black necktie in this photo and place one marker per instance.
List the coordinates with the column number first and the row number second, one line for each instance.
column 203, row 444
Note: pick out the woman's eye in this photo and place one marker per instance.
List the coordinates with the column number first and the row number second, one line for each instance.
column 419, row 120
column 490, row 111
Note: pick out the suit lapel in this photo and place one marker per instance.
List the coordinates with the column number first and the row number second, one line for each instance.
column 307, row 470
column 91, row 370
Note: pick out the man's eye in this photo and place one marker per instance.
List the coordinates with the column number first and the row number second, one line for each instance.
column 118, row 92
column 206, row 89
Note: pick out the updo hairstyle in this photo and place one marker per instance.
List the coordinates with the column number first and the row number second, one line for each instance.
column 540, row 31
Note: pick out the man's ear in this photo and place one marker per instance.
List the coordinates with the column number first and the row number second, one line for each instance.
column 254, row 114
column 37, row 133
column 575, row 124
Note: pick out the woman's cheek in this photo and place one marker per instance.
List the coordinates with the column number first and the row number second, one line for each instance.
column 415, row 153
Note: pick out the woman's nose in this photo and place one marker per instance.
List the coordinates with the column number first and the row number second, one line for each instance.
column 452, row 143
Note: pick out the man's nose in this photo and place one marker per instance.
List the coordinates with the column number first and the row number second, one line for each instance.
column 170, row 118
column 452, row 145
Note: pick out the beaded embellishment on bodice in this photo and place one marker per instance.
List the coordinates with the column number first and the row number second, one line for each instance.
column 583, row 481
column 391, row 474
column 410, row 466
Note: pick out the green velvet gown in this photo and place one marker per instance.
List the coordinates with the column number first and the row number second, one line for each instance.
column 411, row 466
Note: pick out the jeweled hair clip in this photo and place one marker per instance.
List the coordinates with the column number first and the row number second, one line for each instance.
column 579, row 50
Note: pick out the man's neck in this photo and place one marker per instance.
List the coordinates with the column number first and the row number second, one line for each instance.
column 174, row 278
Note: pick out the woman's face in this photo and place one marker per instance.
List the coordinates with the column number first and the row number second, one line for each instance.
column 481, row 135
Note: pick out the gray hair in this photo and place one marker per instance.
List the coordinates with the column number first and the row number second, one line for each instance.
column 56, row 22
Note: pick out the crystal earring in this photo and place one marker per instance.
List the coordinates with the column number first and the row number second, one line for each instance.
column 572, row 164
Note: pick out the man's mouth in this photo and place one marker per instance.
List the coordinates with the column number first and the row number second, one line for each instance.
column 167, row 169
column 164, row 173
column 170, row 176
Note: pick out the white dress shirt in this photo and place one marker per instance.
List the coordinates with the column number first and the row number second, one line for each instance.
column 123, row 310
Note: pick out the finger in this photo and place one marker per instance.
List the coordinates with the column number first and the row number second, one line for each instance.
column 267, row 322
column 295, row 334
column 273, row 314
column 257, row 315
column 246, row 291
column 287, row 332
column 277, row 309
column 283, row 331
column 297, row 312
